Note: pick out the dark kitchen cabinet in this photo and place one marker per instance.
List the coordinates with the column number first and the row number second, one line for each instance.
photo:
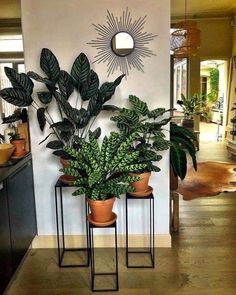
column 17, row 218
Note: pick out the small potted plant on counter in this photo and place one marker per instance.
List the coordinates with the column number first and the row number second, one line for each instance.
column 18, row 143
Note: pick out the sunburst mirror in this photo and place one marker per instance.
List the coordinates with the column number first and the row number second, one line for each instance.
column 122, row 43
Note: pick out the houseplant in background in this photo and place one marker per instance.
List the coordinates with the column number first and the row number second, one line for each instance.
column 182, row 143
column 102, row 172
column 192, row 106
column 148, row 124
column 76, row 117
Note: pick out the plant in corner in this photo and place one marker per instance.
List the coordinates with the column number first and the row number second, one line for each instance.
column 148, row 124
column 76, row 117
column 102, row 172
column 191, row 105
column 182, row 143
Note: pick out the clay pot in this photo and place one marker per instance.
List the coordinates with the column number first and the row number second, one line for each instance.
column 101, row 211
column 142, row 184
column 19, row 145
column 67, row 179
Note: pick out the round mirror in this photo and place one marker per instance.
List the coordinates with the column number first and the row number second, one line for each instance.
column 122, row 44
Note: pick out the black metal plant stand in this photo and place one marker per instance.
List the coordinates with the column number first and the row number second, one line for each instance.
column 150, row 250
column 61, row 243
column 95, row 273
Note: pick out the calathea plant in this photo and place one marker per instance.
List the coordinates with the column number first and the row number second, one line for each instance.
column 59, row 87
column 102, row 172
column 148, row 124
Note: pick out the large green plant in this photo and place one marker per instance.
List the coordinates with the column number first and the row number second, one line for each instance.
column 148, row 124
column 59, row 86
column 103, row 171
column 191, row 105
column 182, row 143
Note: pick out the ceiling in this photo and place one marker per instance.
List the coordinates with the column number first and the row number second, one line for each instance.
column 202, row 8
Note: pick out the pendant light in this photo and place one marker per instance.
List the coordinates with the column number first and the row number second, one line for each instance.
column 185, row 37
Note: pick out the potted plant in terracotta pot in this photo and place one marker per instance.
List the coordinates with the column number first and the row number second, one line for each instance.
column 102, row 172
column 148, row 124
column 18, row 143
column 182, row 143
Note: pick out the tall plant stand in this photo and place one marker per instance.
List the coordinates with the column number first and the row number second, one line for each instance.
column 94, row 257
column 150, row 250
column 61, row 239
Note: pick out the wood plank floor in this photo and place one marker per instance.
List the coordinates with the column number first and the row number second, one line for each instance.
column 202, row 260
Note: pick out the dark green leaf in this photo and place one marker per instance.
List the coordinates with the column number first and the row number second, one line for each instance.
column 19, row 81
column 55, row 145
column 65, row 84
column 80, row 71
column 64, row 125
column 52, row 133
column 49, row 64
column 16, row 97
column 41, row 118
column 97, row 132
column 38, row 78
column 108, row 89
column 110, row 108
column 91, row 87
column 45, row 97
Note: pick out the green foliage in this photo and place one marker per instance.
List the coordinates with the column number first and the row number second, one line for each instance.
column 148, row 124
column 214, row 85
column 191, row 105
column 182, row 142
column 103, row 171
column 59, row 86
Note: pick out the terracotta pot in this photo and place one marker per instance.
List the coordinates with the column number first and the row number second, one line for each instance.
column 142, row 184
column 67, row 179
column 19, row 145
column 101, row 211
column 188, row 124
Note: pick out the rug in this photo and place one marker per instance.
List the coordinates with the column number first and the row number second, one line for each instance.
column 210, row 179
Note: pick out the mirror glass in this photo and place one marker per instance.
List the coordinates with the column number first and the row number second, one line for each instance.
column 122, row 44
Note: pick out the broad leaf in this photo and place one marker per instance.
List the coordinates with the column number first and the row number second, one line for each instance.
column 16, row 97
column 41, row 118
column 49, row 64
column 110, row 108
column 19, row 81
column 80, row 70
column 64, row 125
column 139, row 105
column 65, row 84
column 55, row 145
column 97, row 132
column 38, row 78
column 91, row 87
column 108, row 89
column 45, row 97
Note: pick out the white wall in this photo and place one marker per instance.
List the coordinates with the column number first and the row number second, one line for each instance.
column 65, row 27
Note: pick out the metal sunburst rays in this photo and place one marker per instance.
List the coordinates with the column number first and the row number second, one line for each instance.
column 106, row 32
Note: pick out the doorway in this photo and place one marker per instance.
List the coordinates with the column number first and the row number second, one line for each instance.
column 213, row 79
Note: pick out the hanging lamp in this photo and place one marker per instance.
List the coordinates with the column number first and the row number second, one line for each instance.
column 185, row 37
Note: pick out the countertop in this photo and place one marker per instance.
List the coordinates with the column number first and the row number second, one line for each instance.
column 7, row 171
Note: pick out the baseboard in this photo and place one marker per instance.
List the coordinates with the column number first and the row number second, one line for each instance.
column 50, row 241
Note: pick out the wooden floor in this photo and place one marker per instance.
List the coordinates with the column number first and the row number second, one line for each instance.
column 202, row 260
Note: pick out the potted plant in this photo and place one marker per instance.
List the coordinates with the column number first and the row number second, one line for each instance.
column 182, row 143
column 102, row 172
column 18, row 143
column 191, row 105
column 60, row 87
column 148, row 124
